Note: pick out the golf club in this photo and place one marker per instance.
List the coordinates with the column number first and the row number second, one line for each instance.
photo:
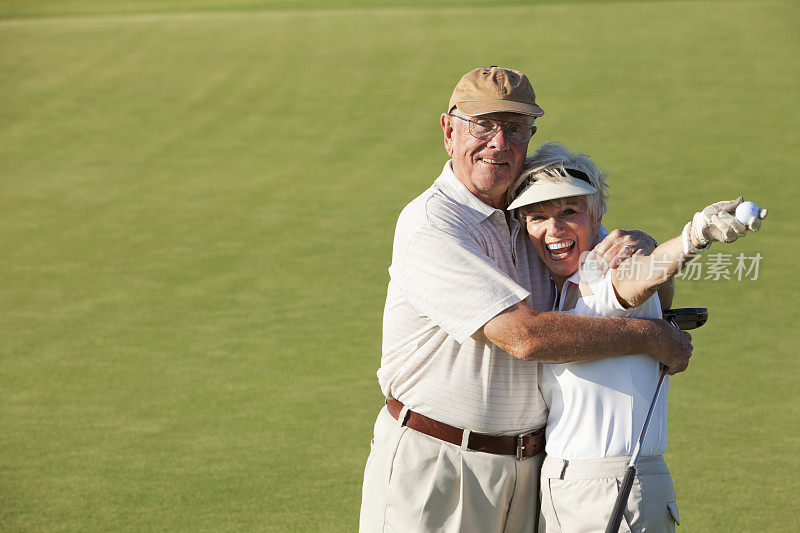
column 682, row 318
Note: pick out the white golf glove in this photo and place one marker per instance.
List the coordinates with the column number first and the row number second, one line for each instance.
column 717, row 222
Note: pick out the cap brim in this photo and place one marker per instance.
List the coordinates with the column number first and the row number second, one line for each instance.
column 499, row 106
column 541, row 192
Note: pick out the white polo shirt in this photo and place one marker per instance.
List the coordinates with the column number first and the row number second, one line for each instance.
column 598, row 408
column 457, row 263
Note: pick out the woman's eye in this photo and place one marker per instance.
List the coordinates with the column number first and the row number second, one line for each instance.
column 569, row 211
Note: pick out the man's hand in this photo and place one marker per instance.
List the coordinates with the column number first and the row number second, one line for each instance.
column 671, row 346
column 717, row 223
column 619, row 245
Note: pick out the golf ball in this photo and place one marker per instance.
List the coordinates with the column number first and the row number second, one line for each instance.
column 746, row 211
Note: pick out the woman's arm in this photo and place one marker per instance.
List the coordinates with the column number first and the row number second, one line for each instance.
column 666, row 293
column 642, row 275
column 619, row 245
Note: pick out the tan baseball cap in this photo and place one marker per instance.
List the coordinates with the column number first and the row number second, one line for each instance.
column 495, row 90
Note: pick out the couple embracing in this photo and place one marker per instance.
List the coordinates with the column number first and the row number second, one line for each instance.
column 514, row 319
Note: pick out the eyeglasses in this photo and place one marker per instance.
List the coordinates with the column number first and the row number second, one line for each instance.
column 486, row 128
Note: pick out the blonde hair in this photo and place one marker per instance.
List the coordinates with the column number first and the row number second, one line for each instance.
column 552, row 162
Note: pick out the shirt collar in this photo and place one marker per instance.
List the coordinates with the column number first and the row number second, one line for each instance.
column 449, row 183
column 575, row 278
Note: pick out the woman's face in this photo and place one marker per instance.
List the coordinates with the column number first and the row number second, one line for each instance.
column 561, row 230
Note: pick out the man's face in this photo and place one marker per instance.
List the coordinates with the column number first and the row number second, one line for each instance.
column 487, row 167
column 560, row 231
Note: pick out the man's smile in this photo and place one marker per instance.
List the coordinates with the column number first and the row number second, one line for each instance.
column 492, row 161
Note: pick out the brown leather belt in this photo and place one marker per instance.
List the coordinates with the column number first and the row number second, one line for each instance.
column 522, row 446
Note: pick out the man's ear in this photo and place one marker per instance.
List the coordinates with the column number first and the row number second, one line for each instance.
column 447, row 129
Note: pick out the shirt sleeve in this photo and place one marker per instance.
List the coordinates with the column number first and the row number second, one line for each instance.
column 450, row 279
column 606, row 297
column 607, row 303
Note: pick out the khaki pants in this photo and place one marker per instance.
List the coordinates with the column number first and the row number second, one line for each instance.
column 416, row 483
column 578, row 496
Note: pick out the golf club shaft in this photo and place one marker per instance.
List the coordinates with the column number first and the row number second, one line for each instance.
column 643, row 434
column 627, row 483
column 630, row 475
column 622, row 501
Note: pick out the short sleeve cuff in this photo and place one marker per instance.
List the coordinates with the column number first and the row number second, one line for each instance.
column 488, row 313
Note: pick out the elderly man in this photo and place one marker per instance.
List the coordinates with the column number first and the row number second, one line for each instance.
column 458, row 445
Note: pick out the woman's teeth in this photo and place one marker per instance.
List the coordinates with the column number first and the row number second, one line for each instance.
column 560, row 249
column 492, row 161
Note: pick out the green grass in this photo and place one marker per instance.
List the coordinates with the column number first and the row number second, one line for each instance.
column 49, row 8
column 196, row 212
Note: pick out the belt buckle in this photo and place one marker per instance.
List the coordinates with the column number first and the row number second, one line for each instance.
column 521, row 445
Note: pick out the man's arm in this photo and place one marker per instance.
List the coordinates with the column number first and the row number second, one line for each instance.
column 561, row 338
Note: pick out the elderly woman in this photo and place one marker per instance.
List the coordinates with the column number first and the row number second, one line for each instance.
column 597, row 408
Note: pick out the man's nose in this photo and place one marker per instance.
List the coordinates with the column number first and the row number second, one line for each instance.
column 499, row 140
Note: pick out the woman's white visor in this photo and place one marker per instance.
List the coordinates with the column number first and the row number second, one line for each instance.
column 539, row 191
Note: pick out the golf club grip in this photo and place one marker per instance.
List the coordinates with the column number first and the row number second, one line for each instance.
column 622, row 501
